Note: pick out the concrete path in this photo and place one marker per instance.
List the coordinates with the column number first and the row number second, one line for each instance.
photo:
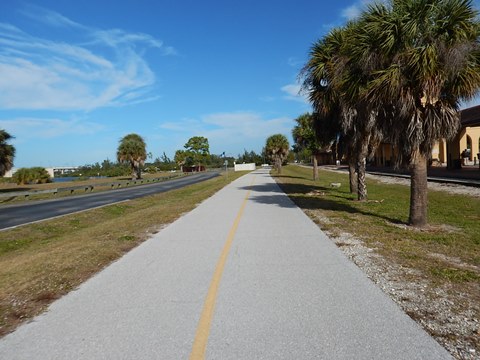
column 284, row 292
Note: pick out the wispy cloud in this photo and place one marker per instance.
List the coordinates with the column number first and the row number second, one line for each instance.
column 232, row 131
column 88, row 68
column 353, row 11
column 52, row 18
column 293, row 92
column 295, row 62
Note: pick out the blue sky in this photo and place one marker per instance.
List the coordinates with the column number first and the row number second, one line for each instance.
column 76, row 76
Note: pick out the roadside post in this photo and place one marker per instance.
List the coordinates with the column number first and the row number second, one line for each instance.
column 226, row 164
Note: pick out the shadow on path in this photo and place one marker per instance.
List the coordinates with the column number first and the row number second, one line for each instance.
column 312, row 197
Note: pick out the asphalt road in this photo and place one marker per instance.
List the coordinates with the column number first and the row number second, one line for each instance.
column 245, row 275
column 24, row 213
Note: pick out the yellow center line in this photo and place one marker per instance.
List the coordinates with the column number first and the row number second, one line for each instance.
column 203, row 329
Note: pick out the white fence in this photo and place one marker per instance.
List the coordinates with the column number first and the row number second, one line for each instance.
column 245, row 167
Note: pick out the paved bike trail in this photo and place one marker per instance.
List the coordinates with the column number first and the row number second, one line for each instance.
column 284, row 292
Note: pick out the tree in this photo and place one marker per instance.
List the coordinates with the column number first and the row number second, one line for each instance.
column 277, row 147
column 423, row 58
column 181, row 158
column 132, row 150
column 333, row 86
column 106, row 168
column 197, row 147
column 305, row 137
column 250, row 157
column 7, row 152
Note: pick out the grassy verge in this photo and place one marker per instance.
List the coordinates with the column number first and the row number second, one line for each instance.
column 41, row 262
column 454, row 230
column 445, row 255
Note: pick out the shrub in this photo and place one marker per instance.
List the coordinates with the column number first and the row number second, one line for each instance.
column 34, row 175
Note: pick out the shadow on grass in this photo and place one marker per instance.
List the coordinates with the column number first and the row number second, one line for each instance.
column 311, row 197
column 289, row 177
column 345, row 203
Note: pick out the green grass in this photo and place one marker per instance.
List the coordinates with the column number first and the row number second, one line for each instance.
column 441, row 252
column 455, row 275
column 41, row 262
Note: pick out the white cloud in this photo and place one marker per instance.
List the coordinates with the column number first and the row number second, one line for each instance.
column 231, row 132
column 351, row 12
column 291, row 89
column 37, row 13
column 100, row 68
column 293, row 93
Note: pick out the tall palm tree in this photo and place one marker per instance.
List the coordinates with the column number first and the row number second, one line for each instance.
column 7, row 152
column 132, row 149
column 424, row 58
column 335, row 84
column 277, row 148
column 319, row 83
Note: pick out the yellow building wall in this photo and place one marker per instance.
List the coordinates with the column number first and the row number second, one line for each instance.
column 443, row 153
column 472, row 134
column 383, row 155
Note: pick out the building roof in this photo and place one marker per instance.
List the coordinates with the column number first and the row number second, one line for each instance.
column 470, row 116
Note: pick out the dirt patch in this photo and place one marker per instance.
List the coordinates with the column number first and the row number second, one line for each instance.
column 437, row 228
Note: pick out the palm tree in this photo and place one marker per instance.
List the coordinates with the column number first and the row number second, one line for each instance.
column 423, row 59
column 7, row 152
column 277, row 147
column 132, row 149
column 305, row 137
column 334, row 83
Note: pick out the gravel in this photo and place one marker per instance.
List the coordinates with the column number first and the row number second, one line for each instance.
column 431, row 306
column 451, row 188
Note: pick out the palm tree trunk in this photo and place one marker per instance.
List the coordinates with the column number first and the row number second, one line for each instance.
column 315, row 167
column 134, row 171
column 353, row 176
column 278, row 164
column 418, row 191
column 362, row 162
column 362, row 184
